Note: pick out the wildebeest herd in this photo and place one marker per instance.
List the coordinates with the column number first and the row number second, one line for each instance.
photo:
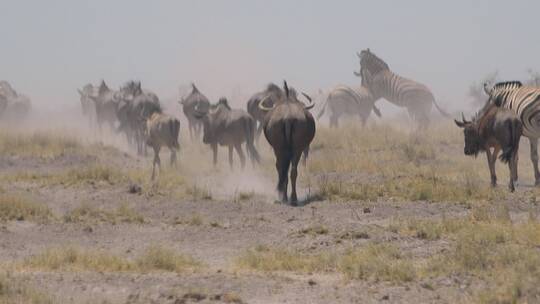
column 511, row 110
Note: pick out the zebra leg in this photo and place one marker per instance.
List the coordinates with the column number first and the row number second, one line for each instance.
column 534, row 159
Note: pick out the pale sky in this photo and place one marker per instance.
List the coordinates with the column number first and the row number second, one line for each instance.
column 50, row 48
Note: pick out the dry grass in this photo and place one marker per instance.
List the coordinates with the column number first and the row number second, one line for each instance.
column 38, row 144
column 155, row 258
column 13, row 291
column 388, row 163
column 88, row 213
column 17, row 207
column 378, row 262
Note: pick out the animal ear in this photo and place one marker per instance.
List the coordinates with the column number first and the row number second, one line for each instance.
column 459, row 123
column 80, row 92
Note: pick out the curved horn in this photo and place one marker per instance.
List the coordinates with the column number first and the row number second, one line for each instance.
column 311, row 103
column 463, row 118
column 488, row 91
column 358, row 54
column 263, row 107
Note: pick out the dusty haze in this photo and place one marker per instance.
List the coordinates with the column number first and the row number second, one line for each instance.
column 233, row 48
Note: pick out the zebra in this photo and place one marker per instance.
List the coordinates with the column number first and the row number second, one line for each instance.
column 525, row 102
column 345, row 100
column 383, row 83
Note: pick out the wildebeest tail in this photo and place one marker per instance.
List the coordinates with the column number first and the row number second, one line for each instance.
column 251, row 150
column 515, row 128
column 175, row 130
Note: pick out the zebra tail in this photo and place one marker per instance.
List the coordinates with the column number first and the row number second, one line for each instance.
column 443, row 112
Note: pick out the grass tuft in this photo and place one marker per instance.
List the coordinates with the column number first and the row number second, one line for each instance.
column 19, row 208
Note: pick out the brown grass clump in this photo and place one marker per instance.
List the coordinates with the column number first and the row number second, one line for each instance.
column 379, row 262
column 86, row 213
column 13, row 291
column 38, row 144
column 155, row 258
column 16, row 207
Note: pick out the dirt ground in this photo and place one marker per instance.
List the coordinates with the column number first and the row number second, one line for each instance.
column 216, row 215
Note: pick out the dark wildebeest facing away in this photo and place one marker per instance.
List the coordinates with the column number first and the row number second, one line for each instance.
column 135, row 106
column 496, row 128
column 343, row 100
column 289, row 128
column 162, row 130
column 269, row 96
column 194, row 100
column 105, row 105
column 228, row 127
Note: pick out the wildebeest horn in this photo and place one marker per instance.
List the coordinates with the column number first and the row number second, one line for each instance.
column 311, row 103
column 80, row 92
column 357, row 74
column 263, row 107
column 286, row 88
column 488, row 91
column 463, row 118
column 358, row 54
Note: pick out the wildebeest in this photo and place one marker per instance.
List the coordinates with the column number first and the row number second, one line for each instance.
column 135, row 106
column 228, row 127
column 269, row 96
column 525, row 102
column 105, row 106
column 189, row 103
column 343, row 100
column 289, row 128
column 13, row 106
column 87, row 104
column 496, row 128
column 162, row 130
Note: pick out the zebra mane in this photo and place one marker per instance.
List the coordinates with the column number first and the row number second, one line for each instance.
column 372, row 62
column 505, row 85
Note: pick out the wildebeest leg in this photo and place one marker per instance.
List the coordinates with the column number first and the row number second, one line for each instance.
column 156, row 161
column 282, row 166
column 238, row 148
column 259, row 131
column 173, row 156
column 492, row 166
column 231, row 156
column 511, row 166
column 214, row 150
column 491, row 169
column 534, row 159
column 306, row 154
column 514, row 172
column 190, row 127
column 294, row 175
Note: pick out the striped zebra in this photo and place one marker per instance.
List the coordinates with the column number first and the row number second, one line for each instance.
column 383, row 83
column 343, row 100
column 525, row 102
